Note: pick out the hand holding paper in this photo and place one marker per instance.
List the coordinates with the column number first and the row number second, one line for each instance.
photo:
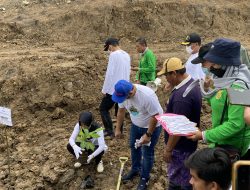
column 195, row 136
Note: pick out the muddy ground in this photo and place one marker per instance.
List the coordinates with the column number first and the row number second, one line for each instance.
column 52, row 67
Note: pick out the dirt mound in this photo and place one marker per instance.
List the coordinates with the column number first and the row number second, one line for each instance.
column 52, row 67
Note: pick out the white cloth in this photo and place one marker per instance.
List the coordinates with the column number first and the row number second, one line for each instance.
column 183, row 82
column 194, row 70
column 118, row 69
column 96, row 141
column 142, row 106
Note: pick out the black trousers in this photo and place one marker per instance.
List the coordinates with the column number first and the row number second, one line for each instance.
column 106, row 104
column 98, row 158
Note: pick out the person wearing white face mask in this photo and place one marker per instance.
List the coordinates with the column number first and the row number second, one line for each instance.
column 193, row 43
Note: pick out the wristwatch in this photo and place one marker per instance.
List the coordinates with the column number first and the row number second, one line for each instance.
column 148, row 134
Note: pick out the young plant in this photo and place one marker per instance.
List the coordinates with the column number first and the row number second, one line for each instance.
column 84, row 138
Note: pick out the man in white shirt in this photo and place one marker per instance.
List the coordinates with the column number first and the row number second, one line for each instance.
column 143, row 105
column 193, row 43
column 118, row 68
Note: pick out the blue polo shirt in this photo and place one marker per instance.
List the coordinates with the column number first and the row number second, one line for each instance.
column 190, row 106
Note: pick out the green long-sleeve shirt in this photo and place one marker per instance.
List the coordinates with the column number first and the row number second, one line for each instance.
column 233, row 130
column 147, row 67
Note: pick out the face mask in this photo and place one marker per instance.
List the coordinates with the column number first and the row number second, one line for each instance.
column 189, row 49
column 205, row 70
column 217, row 72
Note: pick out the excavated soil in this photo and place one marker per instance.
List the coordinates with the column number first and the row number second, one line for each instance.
column 52, row 67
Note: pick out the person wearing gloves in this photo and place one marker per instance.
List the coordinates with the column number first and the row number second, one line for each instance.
column 229, row 130
column 86, row 121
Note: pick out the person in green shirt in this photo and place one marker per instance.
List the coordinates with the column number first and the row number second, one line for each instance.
column 229, row 130
column 147, row 65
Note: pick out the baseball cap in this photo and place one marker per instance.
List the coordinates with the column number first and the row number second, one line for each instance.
column 110, row 41
column 171, row 64
column 224, row 52
column 202, row 52
column 122, row 89
column 191, row 38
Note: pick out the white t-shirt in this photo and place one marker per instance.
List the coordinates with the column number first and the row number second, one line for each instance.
column 194, row 70
column 118, row 69
column 142, row 106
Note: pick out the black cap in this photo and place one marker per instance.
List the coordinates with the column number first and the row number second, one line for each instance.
column 202, row 52
column 192, row 38
column 110, row 41
column 85, row 118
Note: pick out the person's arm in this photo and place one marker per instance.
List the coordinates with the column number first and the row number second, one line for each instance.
column 101, row 144
column 152, row 125
column 228, row 128
column 120, row 118
column 247, row 115
column 109, row 75
column 172, row 141
column 149, row 64
column 152, row 106
column 74, row 134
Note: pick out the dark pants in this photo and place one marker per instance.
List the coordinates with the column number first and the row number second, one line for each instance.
column 143, row 157
column 98, row 158
column 106, row 104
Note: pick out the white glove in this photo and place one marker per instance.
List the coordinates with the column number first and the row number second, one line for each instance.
column 90, row 157
column 77, row 150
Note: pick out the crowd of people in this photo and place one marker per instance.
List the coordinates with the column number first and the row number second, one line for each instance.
column 209, row 71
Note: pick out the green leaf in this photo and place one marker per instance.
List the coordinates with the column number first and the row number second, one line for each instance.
column 83, row 145
column 94, row 135
column 90, row 146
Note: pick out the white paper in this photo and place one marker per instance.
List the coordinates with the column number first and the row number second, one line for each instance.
column 5, row 116
column 179, row 124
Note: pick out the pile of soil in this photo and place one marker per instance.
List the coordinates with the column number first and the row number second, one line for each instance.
column 52, row 67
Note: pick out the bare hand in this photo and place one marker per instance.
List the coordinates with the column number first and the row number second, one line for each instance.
column 137, row 82
column 208, row 83
column 167, row 156
column 195, row 136
column 118, row 134
column 145, row 139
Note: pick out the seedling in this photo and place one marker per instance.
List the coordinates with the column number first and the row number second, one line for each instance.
column 85, row 136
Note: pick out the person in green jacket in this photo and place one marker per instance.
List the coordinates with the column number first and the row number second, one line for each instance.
column 229, row 129
column 147, row 65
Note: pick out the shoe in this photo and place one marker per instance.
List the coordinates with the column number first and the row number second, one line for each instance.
column 143, row 184
column 109, row 135
column 77, row 165
column 100, row 167
column 130, row 175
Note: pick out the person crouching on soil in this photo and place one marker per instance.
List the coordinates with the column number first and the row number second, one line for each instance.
column 86, row 121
